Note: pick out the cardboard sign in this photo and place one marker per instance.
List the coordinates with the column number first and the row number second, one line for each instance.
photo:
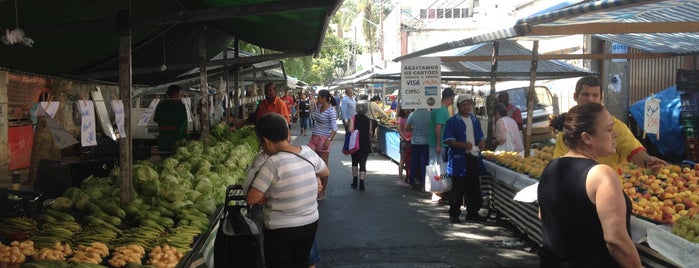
column 88, row 130
column 148, row 113
column 118, row 108
column 420, row 83
column 49, row 108
column 651, row 117
column 188, row 106
column 61, row 137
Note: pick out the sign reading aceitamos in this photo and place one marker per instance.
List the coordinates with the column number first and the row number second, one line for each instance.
column 420, row 81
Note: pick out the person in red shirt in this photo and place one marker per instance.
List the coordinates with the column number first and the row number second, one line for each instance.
column 290, row 102
column 271, row 104
column 512, row 111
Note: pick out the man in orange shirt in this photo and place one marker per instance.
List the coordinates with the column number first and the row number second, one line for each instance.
column 271, row 104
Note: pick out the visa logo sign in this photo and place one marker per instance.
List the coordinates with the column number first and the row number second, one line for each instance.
column 413, row 82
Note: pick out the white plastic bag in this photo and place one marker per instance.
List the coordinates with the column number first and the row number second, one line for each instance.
column 435, row 181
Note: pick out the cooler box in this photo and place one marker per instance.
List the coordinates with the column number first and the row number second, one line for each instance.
column 54, row 177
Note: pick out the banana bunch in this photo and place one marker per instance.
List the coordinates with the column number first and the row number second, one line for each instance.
column 17, row 225
column 143, row 236
column 180, row 237
column 127, row 254
column 16, row 252
column 56, row 252
column 93, row 234
column 90, row 254
column 164, row 257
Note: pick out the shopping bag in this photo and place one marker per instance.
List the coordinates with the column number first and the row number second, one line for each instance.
column 238, row 240
column 351, row 143
column 435, row 180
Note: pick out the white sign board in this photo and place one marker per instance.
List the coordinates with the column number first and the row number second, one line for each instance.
column 420, row 83
column 148, row 113
column 118, row 108
column 88, row 130
column 61, row 137
column 651, row 117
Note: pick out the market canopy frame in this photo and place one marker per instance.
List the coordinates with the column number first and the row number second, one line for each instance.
column 663, row 27
column 80, row 39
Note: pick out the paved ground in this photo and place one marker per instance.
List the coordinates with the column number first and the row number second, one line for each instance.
column 388, row 226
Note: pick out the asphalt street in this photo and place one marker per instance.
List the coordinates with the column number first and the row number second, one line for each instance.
column 390, row 226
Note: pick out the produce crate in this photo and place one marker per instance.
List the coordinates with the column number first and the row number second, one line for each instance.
column 20, row 203
column 688, row 80
column 689, row 104
column 54, row 177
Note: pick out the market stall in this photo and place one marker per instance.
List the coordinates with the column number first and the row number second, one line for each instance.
column 505, row 184
column 389, row 142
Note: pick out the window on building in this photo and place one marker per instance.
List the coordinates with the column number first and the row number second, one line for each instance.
column 447, row 13
column 431, row 13
column 464, row 13
column 440, row 13
column 456, row 13
column 423, row 13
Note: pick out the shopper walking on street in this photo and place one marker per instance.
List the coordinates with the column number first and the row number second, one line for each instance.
column 303, row 112
column 286, row 184
column 419, row 123
column 464, row 136
column 363, row 124
column 584, row 212
column 348, row 108
column 324, row 130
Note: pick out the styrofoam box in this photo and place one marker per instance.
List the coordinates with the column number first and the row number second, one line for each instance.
column 675, row 248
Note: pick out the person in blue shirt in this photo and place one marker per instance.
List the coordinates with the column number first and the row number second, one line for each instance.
column 464, row 136
column 348, row 108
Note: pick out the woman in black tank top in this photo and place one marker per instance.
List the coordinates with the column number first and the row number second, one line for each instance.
column 584, row 212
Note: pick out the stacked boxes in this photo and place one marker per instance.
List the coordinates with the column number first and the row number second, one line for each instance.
column 688, row 82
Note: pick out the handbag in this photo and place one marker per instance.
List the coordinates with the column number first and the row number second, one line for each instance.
column 351, row 142
column 435, row 181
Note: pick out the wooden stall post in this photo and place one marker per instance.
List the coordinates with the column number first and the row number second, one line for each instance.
column 492, row 101
column 530, row 99
column 125, row 150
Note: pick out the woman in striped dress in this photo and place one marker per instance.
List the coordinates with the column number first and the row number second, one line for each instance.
column 324, row 130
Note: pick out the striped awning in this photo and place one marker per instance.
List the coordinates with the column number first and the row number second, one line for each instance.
column 669, row 26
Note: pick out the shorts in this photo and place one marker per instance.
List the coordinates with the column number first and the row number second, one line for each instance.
column 317, row 144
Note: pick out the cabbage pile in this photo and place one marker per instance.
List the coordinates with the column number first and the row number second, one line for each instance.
column 197, row 175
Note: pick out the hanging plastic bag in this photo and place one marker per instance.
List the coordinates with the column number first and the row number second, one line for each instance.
column 435, row 179
column 351, row 143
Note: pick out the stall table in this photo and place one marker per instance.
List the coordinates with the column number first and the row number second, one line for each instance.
column 505, row 183
column 389, row 142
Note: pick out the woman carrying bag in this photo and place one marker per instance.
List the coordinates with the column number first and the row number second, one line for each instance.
column 362, row 123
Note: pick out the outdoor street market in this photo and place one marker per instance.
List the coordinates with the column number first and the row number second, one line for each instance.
column 138, row 134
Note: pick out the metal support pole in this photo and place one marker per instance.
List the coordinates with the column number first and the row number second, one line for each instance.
column 125, row 150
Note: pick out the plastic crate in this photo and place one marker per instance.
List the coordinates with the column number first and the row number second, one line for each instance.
column 691, row 132
column 688, row 80
column 20, row 203
column 689, row 101
column 54, row 177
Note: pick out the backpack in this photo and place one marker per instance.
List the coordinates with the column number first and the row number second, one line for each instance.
column 238, row 242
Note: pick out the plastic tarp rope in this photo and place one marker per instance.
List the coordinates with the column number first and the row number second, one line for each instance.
column 670, row 129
